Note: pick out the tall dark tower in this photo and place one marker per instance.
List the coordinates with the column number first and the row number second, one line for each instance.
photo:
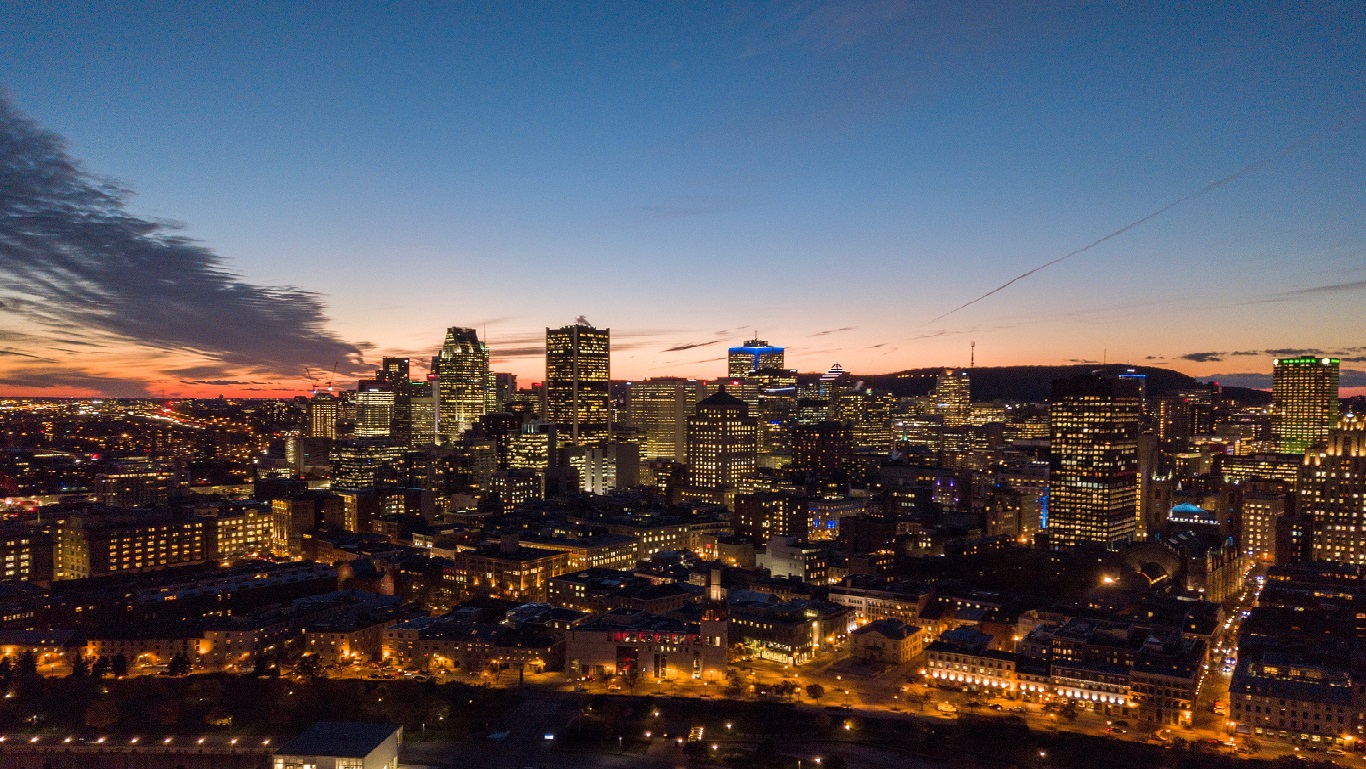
column 578, row 381
column 1093, row 478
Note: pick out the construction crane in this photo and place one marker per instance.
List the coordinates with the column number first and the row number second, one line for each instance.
column 311, row 381
column 332, row 376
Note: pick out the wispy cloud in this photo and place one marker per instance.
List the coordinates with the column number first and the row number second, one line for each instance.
column 74, row 260
column 691, row 346
column 830, row 331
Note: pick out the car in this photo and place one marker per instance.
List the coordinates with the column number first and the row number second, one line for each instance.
column 1336, row 752
column 1018, row 709
column 995, row 706
column 614, row 687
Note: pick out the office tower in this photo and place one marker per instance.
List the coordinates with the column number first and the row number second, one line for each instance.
column 322, row 416
column 1186, row 413
column 722, row 442
column 374, row 410
column 578, row 377
column 1333, row 493
column 606, row 467
column 462, row 376
column 759, row 517
column 1093, row 470
column 393, row 372
column 953, row 397
column 753, row 356
column 1304, row 394
column 822, row 447
column 366, row 462
column 504, row 390
column 533, row 447
column 421, row 414
column 660, row 407
column 1260, row 517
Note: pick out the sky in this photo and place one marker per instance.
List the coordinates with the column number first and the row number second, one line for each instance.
column 203, row 198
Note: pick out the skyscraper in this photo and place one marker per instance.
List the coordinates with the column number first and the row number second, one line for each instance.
column 1093, row 478
column 953, row 397
column 1333, row 493
column 462, row 375
column 578, row 379
column 374, row 410
column 1304, row 394
column 722, row 443
column 322, row 416
column 660, row 407
column 752, row 356
column 394, row 372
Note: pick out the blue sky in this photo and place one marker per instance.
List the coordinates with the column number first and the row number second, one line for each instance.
column 686, row 172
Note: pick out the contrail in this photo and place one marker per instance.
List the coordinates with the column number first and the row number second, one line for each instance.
column 1214, row 185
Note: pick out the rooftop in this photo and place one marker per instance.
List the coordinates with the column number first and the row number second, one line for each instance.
column 339, row 739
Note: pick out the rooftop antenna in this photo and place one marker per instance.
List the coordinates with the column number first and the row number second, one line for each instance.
column 972, row 354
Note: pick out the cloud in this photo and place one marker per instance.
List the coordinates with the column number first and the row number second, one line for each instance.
column 830, row 331
column 73, row 258
column 48, row 379
column 690, row 346
column 219, row 382
column 1331, row 288
column 1262, row 380
column 17, row 354
column 1352, row 354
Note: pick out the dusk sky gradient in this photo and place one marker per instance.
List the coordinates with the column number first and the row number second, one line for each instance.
column 832, row 175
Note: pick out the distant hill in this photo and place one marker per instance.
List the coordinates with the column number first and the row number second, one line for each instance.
column 1032, row 384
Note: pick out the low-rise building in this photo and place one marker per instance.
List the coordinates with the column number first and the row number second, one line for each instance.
column 889, row 641
column 658, row 646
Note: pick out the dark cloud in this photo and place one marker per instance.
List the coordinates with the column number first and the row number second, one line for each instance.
column 690, row 346
column 1262, row 380
column 1352, row 354
column 49, row 379
column 17, row 354
column 219, row 382
column 830, row 331
column 73, row 258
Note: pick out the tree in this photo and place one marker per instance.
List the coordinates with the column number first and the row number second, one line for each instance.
column 103, row 667
column 80, row 668
column 179, row 665
column 815, row 691
column 1069, row 710
column 309, row 665
column 119, row 665
column 27, row 669
column 6, row 671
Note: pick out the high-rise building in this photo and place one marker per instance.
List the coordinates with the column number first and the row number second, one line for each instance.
column 822, row 447
column 1093, row 470
column 394, row 372
column 462, row 380
column 722, row 443
column 374, row 411
column 322, row 416
column 578, row 378
column 660, row 407
column 752, row 356
column 1333, row 493
column 953, row 397
column 1304, row 394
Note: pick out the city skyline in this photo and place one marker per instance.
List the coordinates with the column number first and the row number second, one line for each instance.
column 832, row 178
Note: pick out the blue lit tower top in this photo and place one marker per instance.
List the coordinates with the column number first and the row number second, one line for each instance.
column 754, row 355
